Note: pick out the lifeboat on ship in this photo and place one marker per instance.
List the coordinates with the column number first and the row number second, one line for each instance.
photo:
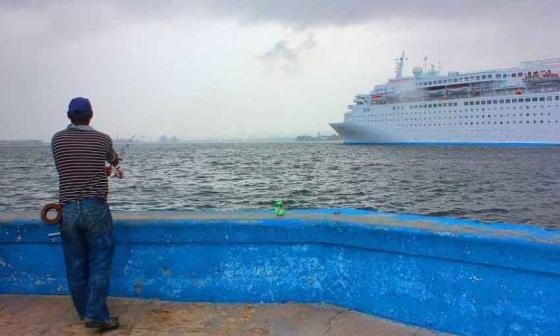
column 542, row 78
column 437, row 93
column 459, row 90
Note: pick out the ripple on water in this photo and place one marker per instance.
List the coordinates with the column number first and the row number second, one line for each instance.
column 514, row 185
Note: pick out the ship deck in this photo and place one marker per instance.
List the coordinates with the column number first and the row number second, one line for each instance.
column 54, row 315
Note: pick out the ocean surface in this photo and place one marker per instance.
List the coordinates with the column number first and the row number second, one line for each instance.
column 517, row 185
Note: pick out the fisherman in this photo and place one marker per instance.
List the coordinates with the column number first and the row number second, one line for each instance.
column 80, row 154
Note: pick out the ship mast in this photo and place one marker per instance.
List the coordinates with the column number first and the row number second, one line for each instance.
column 399, row 65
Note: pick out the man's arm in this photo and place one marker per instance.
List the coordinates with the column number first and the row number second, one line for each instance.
column 112, row 156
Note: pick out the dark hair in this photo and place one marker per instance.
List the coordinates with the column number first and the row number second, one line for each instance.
column 80, row 120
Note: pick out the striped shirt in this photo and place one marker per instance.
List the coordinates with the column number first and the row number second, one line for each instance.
column 80, row 153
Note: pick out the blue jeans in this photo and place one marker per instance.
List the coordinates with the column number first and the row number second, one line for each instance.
column 89, row 244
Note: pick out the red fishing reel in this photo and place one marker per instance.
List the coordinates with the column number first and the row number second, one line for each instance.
column 117, row 172
column 51, row 213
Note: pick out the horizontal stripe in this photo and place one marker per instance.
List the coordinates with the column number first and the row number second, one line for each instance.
column 80, row 157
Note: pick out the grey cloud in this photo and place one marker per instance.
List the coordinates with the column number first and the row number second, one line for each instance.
column 76, row 16
column 282, row 56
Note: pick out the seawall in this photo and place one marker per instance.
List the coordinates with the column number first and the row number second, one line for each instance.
column 446, row 274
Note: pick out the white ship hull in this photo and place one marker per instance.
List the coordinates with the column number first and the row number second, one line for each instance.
column 503, row 123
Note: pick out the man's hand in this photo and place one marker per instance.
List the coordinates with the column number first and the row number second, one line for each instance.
column 119, row 172
column 118, row 160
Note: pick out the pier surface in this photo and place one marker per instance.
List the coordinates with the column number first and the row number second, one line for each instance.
column 54, row 315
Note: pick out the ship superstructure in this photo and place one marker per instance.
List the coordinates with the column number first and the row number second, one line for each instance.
column 519, row 105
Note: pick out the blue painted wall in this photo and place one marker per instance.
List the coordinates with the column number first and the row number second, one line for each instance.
column 447, row 274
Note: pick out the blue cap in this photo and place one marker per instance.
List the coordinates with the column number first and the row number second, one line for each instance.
column 80, row 107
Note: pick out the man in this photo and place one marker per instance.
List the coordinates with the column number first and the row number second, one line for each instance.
column 80, row 153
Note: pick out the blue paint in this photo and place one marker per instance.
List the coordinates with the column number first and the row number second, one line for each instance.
column 448, row 274
column 468, row 144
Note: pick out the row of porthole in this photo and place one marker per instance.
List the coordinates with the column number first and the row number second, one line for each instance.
column 460, row 110
column 460, row 117
column 479, row 102
column 487, row 123
column 479, row 123
column 465, row 110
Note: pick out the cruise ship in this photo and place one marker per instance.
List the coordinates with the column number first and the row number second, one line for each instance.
column 518, row 105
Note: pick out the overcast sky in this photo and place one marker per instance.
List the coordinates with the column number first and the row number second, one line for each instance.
column 240, row 69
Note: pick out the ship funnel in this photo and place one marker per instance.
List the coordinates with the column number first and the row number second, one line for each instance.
column 399, row 65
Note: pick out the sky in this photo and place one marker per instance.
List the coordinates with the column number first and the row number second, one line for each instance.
column 240, row 70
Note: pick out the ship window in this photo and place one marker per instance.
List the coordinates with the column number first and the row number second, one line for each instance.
column 534, row 99
column 488, row 102
column 439, row 81
column 501, row 101
column 429, row 105
column 508, row 101
column 439, row 105
column 549, row 98
column 557, row 97
column 444, row 104
column 477, row 77
column 527, row 100
column 495, row 101
column 477, row 102
column 465, row 103
column 514, row 101
column 444, row 81
column 454, row 80
column 489, row 76
column 541, row 98
column 513, row 75
column 519, row 74
column 483, row 76
column 498, row 76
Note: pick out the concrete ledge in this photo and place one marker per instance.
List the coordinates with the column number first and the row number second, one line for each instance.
column 445, row 274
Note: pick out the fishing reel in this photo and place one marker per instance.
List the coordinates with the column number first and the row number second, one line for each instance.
column 116, row 172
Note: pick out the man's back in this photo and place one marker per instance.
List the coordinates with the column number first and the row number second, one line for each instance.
column 80, row 153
